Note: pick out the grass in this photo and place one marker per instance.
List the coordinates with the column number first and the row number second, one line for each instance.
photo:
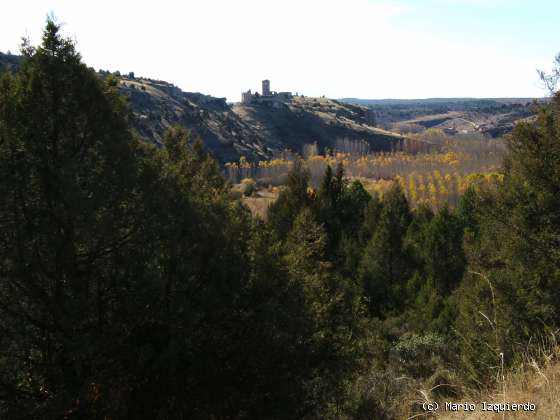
column 534, row 382
column 260, row 201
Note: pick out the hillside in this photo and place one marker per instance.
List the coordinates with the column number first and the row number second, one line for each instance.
column 8, row 61
column 305, row 120
column 493, row 117
column 459, row 102
column 262, row 130
column 257, row 131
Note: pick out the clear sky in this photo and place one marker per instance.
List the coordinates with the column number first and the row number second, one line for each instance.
column 336, row 48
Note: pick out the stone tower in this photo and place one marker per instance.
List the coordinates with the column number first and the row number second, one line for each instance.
column 266, row 88
column 246, row 97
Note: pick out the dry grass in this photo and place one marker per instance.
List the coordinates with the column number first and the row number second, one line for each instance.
column 260, row 201
column 531, row 382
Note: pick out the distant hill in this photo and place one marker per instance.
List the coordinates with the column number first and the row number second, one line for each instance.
column 264, row 129
column 438, row 101
column 8, row 61
column 258, row 131
column 494, row 117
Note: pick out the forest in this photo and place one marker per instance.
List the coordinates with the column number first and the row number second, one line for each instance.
column 134, row 284
column 432, row 169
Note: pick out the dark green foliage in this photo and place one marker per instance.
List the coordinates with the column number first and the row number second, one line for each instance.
column 340, row 208
column 466, row 211
column 386, row 263
column 372, row 213
column 481, row 330
column 335, row 312
column 419, row 355
column 354, row 202
column 437, row 244
column 442, row 253
column 327, row 207
column 514, row 250
column 291, row 201
column 71, row 214
column 132, row 286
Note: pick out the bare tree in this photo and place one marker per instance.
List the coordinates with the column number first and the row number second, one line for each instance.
column 550, row 80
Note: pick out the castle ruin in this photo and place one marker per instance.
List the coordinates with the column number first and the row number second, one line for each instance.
column 267, row 95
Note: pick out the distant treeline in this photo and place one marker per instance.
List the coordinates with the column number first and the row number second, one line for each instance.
column 463, row 103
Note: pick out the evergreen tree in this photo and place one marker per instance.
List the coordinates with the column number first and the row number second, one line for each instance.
column 328, row 206
column 372, row 213
column 291, row 200
column 353, row 208
column 514, row 259
column 333, row 311
column 386, row 265
column 466, row 211
column 442, row 251
column 441, row 264
column 72, row 218
column 133, row 286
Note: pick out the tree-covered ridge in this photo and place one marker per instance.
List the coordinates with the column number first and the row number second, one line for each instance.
column 8, row 61
column 134, row 285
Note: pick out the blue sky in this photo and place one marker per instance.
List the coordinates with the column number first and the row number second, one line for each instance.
column 509, row 23
column 337, row 48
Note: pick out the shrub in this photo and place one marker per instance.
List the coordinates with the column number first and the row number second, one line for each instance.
column 248, row 186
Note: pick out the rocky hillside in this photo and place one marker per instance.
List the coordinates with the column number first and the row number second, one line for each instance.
column 492, row 117
column 257, row 131
column 157, row 105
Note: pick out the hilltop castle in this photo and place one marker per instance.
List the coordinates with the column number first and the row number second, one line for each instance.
column 266, row 96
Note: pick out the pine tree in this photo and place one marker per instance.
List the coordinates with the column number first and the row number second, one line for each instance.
column 291, row 200
column 353, row 207
column 354, row 201
column 334, row 310
column 129, row 278
column 513, row 255
column 466, row 211
column 372, row 214
column 72, row 217
column 442, row 251
column 327, row 206
column 386, row 265
column 438, row 248
column 123, row 266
